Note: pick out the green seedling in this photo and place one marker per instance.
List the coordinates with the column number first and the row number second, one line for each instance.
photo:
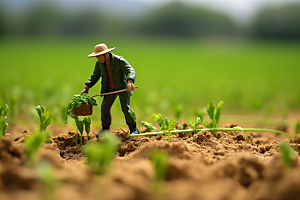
column 160, row 162
column 133, row 115
column 194, row 125
column 162, row 123
column 170, row 125
column 32, row 145
column 3, row 123
column 45, row 117
column 287, row 154
column 243, row 132
column 297, row 127
column 87, row 126
column 200, row 113
column 149, row 126
column 99, row 156
column 214, row 114
column 180, row 127
column 178, row 112
column 47, row 137
column 80, row 127
column 46, row 175
column 76, row 102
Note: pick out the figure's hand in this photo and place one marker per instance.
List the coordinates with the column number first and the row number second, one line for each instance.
column 130, row 86
column 85, row 90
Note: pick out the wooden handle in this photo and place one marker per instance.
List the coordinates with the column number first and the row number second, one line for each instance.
column 135, row 87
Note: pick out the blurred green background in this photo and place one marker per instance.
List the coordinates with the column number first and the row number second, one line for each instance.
column 184, row 54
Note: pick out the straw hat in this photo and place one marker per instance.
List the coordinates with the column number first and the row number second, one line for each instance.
column 99, row 50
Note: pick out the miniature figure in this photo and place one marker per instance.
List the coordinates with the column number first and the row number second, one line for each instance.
column 117, row 74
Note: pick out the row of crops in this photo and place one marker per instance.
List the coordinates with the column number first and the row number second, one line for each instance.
column 100, row 154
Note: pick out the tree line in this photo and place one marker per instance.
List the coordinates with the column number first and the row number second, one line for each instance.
column 171, row 20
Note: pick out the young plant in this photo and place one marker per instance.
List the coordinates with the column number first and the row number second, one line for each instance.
column 194, row 125
column 45, row 117
column 99, row 156
column 87, row 126
column 297, row 127
column 46, row 175
column 214, row 114
column 80, row 127
column 180, row 127
column 3, row 123
column 200, row 113
column 133, row 115
column 162, row 123
column 149, row 126
column 287, row 154
column 170, row 125
column 32, row 145
column 160, row 162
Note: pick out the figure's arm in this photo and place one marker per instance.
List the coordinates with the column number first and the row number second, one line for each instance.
column 93, row 79
column 129, row 72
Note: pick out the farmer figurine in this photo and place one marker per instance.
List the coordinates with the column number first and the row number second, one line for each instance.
column 117, row 74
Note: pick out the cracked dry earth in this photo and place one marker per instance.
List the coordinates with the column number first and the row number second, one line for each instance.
column 207, row 165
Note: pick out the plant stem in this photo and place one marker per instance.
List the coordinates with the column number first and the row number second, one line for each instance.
column 81, row 140
column 76, row 136
column 217, row 129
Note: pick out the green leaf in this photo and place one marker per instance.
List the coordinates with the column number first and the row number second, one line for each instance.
column 132, row 114
column 200, row 113
column 99, row 156
column 218, row 112
column 206, row 124
column 160, row 162
column 158, row 118
column 172, row 124
column 79, row 125
column 287, row 154
column 192, row 124
column 148, row 126
column 163, row 127
column 47, row 135
column 197, row 122
column 45, row 117
column 3, row 123
column 87, row 125
column 180, row 127
column 211, row 109
column 167, row 122
column 46, row 175
column 32, row 145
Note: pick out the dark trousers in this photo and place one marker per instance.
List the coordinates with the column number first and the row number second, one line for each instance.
column 106, row 105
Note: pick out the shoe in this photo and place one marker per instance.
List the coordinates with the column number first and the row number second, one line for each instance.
column 134, row 131
column 101, row 132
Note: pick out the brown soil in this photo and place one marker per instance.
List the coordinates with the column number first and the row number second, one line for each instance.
column 207, row 165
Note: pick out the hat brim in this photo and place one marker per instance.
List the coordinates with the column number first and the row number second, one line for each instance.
column 100, row 53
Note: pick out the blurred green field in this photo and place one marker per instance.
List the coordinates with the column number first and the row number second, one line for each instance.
column 249, row 76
